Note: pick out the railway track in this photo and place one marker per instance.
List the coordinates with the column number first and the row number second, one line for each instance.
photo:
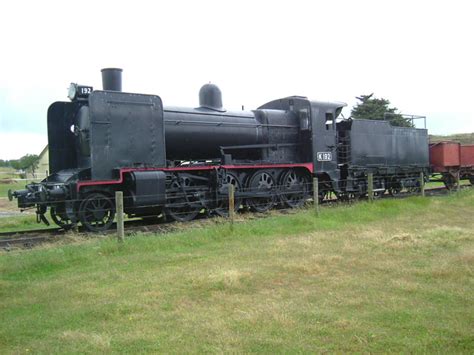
column 23, row 242
column 28, row 238
column 33, row 237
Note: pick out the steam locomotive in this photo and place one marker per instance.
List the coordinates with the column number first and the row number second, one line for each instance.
column 180, row 162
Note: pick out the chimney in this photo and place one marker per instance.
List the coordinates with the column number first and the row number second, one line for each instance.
column 112, row 79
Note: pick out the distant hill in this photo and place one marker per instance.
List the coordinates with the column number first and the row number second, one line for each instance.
column 463, row 138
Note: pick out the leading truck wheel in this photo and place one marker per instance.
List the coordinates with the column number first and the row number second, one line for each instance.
column 97, row 212
column 60, row 217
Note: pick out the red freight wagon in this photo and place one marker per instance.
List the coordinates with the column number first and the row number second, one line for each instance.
column 444, row 156
column 467, row 156
column 453, row 161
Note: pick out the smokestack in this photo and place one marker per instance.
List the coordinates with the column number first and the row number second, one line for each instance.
column 112, row 79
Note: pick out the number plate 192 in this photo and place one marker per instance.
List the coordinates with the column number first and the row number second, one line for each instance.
column 324, row 156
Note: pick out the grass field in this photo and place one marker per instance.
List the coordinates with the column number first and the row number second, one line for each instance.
column 22, row 222
column 14, row 185
column 8, row 173
column 14, row 223
column 7, row 181
column 393, row 276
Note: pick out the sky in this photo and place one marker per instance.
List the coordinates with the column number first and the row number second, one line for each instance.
column 417, row 54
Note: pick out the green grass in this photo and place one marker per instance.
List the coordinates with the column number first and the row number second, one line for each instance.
column 16, row 185
column 22, row 222
column 392, row 276
column 15, row 223
column 8, row 173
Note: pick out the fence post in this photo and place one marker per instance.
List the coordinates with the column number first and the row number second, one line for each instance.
column 458, row 181
column 231, row 204
column 316, row 195
column 119, row 211
column 370, row 186
column 422, row 184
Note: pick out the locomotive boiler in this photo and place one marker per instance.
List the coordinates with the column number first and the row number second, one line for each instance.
column 178, row 162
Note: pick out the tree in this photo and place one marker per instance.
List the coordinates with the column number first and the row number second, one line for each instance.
column 28, row 161
column 371, row 108
column 5, row 163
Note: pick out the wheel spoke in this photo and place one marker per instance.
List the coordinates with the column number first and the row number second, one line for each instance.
column 262, row 183
column 222, row 203
column 178, row 205
column 295, row 192
column 97, row 212
column 59, row 216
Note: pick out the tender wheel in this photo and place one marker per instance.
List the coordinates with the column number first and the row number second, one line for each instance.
column 222, row 208
column 261, row 183
column 180, row 206
column 97, row 212
column 379, row 194
column 295, row 189
column 60, row 217
column 348, row 196
column 395, row 190
column 414, row 189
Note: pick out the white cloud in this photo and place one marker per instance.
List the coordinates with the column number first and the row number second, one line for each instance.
column 16, row 145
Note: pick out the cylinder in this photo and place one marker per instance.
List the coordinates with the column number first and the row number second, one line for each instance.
column 112, row 79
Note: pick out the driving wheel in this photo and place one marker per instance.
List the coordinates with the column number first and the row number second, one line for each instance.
column 222, row 208
column 262, row 184
column 295, row 189
column 182, row 205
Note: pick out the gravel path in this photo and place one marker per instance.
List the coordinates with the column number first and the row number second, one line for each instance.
column 10, row 209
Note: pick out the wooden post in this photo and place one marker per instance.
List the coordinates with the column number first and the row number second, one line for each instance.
column 119, row 211
column 458, row 181
column 231, row 204
column 316, row 195
column 370, row 186
column 422, row 184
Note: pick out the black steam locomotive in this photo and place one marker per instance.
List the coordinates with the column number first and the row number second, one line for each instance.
column 180, row 161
